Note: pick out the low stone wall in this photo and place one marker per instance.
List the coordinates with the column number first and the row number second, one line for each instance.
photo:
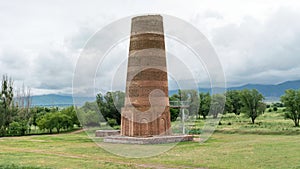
column 104, row 133
column 147, row 140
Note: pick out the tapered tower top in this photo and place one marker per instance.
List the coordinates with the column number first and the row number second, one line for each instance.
column 147, row 24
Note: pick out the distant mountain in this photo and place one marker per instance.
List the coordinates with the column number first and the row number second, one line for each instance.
column 271, row 90
column 59, row 100
column 271, row 93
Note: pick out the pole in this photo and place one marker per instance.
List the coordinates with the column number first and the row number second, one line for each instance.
column 183, row 118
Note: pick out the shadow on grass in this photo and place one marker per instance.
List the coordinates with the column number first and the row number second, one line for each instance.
column 14, row 166
column 45, row 133
column 258, row 132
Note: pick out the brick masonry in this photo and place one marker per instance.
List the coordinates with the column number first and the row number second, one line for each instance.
column 146, row 111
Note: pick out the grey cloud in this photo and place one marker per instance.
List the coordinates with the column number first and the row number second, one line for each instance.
column 254, row 50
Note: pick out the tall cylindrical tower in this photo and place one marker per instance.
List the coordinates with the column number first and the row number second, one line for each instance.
column 146, row 110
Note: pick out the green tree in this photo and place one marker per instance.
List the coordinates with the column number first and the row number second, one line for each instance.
column 56, row 120
column 192, row 97
column 14, row 129
column 233, row 102
column 44, row 122
column 174, row 112
column 110, row 105
column 23, row 103
column 89, row 118
column 71, row 113
column 8, row 110
column 291, row 100
column 217, row 104
column 204, row 104
column 252, row 103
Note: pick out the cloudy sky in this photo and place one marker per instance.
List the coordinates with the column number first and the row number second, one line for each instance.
column 40, row 41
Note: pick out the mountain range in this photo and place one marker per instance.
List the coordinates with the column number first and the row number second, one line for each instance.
column 271, row 93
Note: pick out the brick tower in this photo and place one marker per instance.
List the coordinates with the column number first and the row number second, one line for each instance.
column 146, row 111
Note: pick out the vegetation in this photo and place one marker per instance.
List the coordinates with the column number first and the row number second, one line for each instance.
column 233, row 102
column 174, row 112
column 252, row 103
column 217, row 104
column 64, row 119
column 291, row 99
column 17, row 117
column 204, row 104
column 110, row 105
column 220, row 151
column 267, row 140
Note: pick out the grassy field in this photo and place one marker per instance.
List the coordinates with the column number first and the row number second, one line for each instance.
column 238, row 145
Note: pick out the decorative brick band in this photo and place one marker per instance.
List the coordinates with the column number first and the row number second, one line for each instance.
column 146, row 41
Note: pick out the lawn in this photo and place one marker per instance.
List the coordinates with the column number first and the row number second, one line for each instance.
column 220, row 151
column 272, row 142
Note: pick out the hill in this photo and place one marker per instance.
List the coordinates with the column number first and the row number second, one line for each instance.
column 271, row 93
column 58, row 100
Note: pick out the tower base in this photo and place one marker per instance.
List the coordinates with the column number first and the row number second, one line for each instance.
column 147, row 140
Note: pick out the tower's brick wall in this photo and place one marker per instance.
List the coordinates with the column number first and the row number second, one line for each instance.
column 146, row 111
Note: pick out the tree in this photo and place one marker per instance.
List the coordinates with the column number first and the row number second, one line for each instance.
column 71, row 113
column 60, row 120
column 217, row 104
column 6, row 103
column 252, row 103
column 110, row 105
column 193, row 98
column 44, row 122
column 291, row 100
column 204, row 104
column 14, row 129
column 174, row 112
column 233, row 102
column 56, row 120
column 23, row 103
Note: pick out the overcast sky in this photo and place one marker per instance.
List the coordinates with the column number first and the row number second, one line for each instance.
column 40, row 41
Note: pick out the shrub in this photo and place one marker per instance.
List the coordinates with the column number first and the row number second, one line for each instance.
column 14, row 128
column 112, row 122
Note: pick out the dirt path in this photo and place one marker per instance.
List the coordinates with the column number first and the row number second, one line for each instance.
column 77, row 131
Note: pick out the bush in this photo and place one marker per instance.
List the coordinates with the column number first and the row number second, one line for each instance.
column 275, row 108
column 14, row 128
column 174, row 114
column 112, row 122
column 195, row 131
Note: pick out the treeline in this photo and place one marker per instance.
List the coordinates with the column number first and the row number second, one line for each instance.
column 247, row 102
column 17, row 117
column 200, row 104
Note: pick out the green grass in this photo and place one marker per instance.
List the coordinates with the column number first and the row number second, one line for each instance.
column 268, row 123
column 239, row 145
column 220, row 151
